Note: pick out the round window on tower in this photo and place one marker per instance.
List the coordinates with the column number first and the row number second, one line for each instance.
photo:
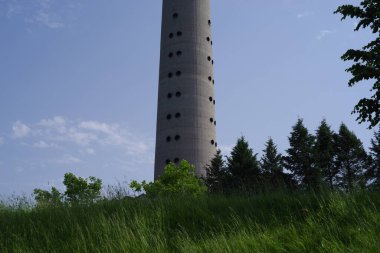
column 167, row 161
column 210, row 98
column 170, row 95
column 209, row 58
column 176, row 160
column 168, row 139
column 170, row 75
column 178, row 73
column 211, row 120
column 171, row 35
column 179, row 33
column 177, row 137
column 170, row 55
column 175, row 15
column 208, row 39
column 177, row 115
column 179, row 53
column 178, row 94
column 212, row 142
column 168, row 117
column 210, row 78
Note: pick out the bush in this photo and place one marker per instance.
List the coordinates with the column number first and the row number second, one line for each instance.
column 176, row 181
column 78, row 191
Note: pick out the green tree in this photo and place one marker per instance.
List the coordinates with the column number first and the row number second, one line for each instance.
column 45, row 198
column 350, row 160
column 216, row 174
column 80, row 190
column 272, row 166
column 299, row 159
column 374, row 168
column 178, row 180
column 366, row 60
column 324, row 153
column 243, row 166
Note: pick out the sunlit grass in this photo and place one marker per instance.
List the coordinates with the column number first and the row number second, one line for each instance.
column 265, row 223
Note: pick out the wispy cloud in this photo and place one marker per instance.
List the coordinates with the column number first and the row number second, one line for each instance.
column 43, row 144
column 56, row 131
column 323, row 33
column 20, row 130
column 68, row 159
column 13, row 8
column 304, row 14
column 52, row 14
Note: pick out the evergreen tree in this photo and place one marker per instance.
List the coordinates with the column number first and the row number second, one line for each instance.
column 216, row 174
column 324, row 153
column 366, row 61
column 299, row 159
column 350, row 160
column 272, row 167
column 243, row 166
column 374, row 168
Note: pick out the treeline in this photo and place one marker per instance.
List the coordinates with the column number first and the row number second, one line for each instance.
column 325, row 160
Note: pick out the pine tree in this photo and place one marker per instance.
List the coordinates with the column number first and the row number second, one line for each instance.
column 374, row 168
column 350, row 160
column 272, row 167
column 324, row 153
column 243, row 166
column 216, row 174
column 299, row 159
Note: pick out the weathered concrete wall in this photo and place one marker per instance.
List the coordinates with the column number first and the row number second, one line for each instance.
column 186, row 104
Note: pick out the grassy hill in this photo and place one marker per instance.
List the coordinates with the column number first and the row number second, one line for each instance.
column 265, row 223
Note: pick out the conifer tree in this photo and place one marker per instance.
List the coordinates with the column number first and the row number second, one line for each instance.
column 374, row 168
column 272, row 166
column 350, row 160
column 324, row 153
column 216, row 174
column 299, row 159
column 243, row 166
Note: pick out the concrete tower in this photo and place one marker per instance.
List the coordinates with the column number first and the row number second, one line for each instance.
column 186, row 104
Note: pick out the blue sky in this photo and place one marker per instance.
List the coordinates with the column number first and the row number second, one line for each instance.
column 78, row 82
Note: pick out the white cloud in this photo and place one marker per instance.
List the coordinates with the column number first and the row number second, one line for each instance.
column 13, row 8
column 324, row 33
column 58, row 131
column 43, row 144
column 56, row 122
column 20, row 130
column 304, row 14
column 68, row 159
column 114, row 135
column 44, row 17
column 53, row 14
column 90, row 151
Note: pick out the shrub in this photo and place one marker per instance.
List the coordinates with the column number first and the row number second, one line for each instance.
column 176, row 181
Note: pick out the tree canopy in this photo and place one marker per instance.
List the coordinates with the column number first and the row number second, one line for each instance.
column 367, row 59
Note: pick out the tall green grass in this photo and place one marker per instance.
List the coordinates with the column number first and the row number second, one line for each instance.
column 265, row 223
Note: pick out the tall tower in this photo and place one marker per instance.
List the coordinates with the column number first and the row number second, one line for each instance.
column 186, row 104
